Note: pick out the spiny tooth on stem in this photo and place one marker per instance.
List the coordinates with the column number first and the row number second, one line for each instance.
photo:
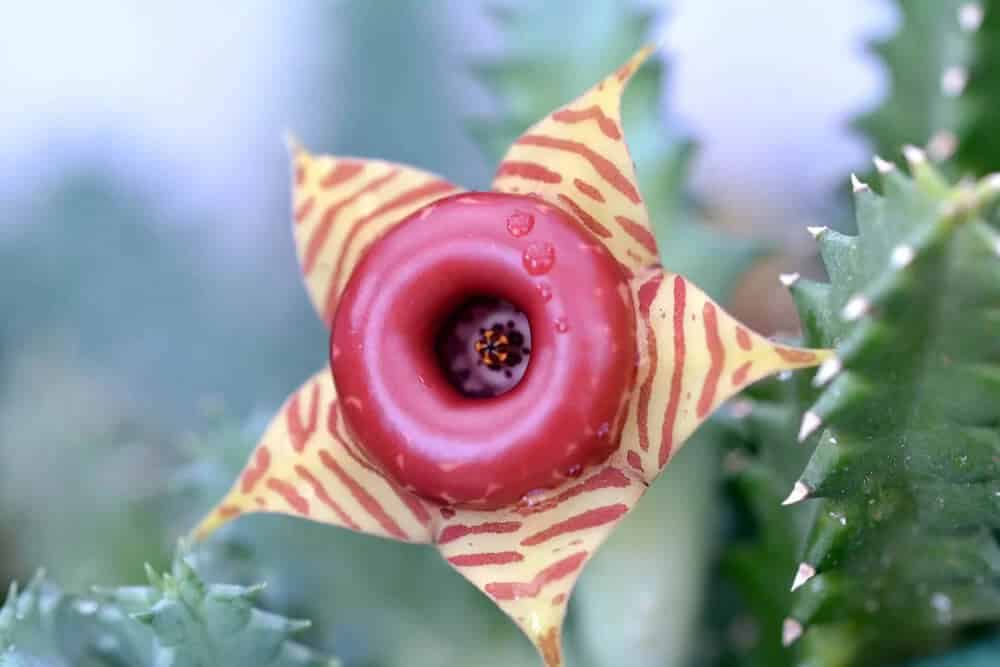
column 902, row 255
column 857, row 185
column 915, row 156
column 942, row 145
column 953, row 80
column 883, row 166
column 800, row 492
column 970, row 16
column 803, row 575
column 816, row 232
column 791, row 630
column 789, row 279
column 810, row 422
column 856, row 307
column 827, row 370
column 988, row 188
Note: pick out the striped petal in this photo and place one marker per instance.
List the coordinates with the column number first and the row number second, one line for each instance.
column 307, row 465
column 577, row 158
column 527, row 558
column 693, row 356
column 342, row 205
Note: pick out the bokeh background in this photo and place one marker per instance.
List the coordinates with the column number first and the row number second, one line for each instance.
column 151, row 316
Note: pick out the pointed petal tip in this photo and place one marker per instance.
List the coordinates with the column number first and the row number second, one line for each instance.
column 817, row 232
column 803, row 575
column 827, row 371
column 791, row 630
column 883, row 166
column 293, row 144
column 857, row 185
column 637, row 60
column 799, row 493
column 810, row 422
column 208, row 525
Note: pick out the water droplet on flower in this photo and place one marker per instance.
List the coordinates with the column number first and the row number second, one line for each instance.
column 575, row 470
column 533, row 497
column 545, row 291
column 562, row 326
column 538, row 258
column 520, row 223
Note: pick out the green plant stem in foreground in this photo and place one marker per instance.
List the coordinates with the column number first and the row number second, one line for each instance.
column 176, row 621
column 900, row 552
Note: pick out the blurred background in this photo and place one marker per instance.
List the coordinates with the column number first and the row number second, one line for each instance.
column 152, row 315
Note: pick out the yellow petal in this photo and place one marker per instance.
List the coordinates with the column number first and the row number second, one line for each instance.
column 307, row 465
column 343, row 204
column 527, row 558
column 577, row 158
column 692, row 357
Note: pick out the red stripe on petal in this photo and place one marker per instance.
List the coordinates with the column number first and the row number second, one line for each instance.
column 413, row 503
column 795, row 356
column 589, row 519
column 458, row 531
column 740, row 374
column 495, row 558
column 320, row 492
column 605, row 168
column 254, row 473
column 647, row 293
column 365, row 499
column 531, row 171
column 515, row 589
column 304, row 210
column 588, row 190
column 743, row 339
column 290, row 495
column 608, row 126
column 300, row 431
column 717, row 358
column 322, row 232
column 412, row 196
column 605, row 479
column 341, row 173
column 588, row 220
column 680, row 350
column 640, row 233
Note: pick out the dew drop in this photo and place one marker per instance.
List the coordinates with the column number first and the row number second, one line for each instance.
column 575, row 470
column 562, row 326
column 533, row 497
column 520, row 223
column 538, row 258
column 545, row 291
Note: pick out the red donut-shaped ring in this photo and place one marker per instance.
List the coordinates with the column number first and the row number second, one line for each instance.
column 398, row 401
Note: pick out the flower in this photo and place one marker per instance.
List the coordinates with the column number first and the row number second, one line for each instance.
column 510, row 369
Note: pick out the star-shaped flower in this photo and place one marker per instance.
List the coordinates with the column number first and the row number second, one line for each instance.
column 509, row 370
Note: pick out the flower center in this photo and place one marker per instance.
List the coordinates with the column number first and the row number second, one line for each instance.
column 484, row 347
